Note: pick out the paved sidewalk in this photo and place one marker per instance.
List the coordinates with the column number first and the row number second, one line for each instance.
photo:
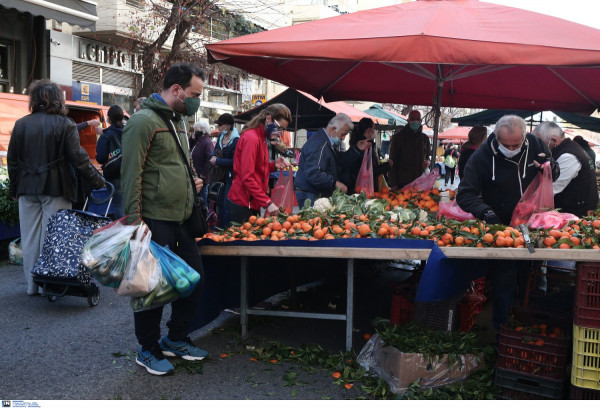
column 68, row 350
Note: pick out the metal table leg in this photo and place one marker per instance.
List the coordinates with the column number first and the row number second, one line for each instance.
column 349, row 303
column 244, row 296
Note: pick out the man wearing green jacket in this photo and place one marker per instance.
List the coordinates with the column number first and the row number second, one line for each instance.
column 156, row 189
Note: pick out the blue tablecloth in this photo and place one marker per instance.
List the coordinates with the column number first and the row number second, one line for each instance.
column 442, row 278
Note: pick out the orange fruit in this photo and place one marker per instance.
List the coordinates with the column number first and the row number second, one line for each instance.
column 367, row 336
column 252, row 219
column 318, row 233
column 415, row 231
column 564, row 245
column 488, row 238
column 549, row 241
column 336, row 374
column 500, row 241
column 363, row 229
column 266, row 231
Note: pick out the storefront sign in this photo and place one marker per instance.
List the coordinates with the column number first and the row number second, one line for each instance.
column 258, row 99
column 87, row 92
column 109, row 55
column 226, row 81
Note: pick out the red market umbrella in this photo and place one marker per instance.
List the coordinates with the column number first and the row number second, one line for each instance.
column 457, row 133
column 456, row 53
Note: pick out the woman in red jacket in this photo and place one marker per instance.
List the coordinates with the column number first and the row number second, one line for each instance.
column 251, row 165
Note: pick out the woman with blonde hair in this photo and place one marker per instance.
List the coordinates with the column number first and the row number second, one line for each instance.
column 251, row 164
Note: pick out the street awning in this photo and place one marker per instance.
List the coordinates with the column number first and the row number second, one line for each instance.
column 81, row 13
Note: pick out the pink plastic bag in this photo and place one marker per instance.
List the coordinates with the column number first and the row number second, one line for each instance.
column 364, row 181
column 423, row 182
column 551, row 219
column 538, row 197
column 283, row 195
column 453, row 211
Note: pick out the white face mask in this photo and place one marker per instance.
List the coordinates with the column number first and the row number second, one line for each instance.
column 508, row 153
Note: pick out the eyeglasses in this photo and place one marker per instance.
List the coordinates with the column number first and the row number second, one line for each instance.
column 279, row 127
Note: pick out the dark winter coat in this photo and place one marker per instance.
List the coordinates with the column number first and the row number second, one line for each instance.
column 317, row 167
column 42, row 153
column 492, row 181
column 109, row 144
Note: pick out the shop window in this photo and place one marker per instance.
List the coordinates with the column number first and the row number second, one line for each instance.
column 5, row 68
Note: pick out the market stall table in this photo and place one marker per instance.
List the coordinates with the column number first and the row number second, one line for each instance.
column 441, row 278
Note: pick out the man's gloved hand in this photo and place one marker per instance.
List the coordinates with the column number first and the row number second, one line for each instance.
column 490, row 217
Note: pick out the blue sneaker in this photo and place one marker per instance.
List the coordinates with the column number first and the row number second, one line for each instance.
column 184, row 349
column 154, row 362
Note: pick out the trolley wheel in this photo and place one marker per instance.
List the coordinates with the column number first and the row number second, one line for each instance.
column 94, row 298
column 51, row 298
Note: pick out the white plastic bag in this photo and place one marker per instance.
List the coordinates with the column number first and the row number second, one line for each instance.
column 142, row 271
column 105, row 253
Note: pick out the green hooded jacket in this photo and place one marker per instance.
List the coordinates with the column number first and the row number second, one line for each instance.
column 154, row 179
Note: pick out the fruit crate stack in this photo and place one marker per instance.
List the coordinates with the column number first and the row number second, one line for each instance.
column 533, row 355
column 551, row 288
column 452, row 314
column 585, row 371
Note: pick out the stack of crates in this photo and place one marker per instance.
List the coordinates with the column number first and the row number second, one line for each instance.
column 533, row 355
column 452, row 314
column 585, row 372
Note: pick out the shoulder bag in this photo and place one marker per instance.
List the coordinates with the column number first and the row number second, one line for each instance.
column 197, row 222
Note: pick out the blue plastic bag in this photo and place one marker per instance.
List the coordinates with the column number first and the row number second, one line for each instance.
column 175, row 270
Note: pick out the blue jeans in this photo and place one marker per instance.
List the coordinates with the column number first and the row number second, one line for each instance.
column 117, row 200
column 302, row 196
column 203, row 194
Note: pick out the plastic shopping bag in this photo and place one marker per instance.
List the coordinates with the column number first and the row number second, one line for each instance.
column 538, row 197
column 283, row 195
column 453, row 211
column 364, row 181
column 175, row 270
column 162, row 294
column 142, row 270
column 105, row 254
column 424, row 182
column 551, row 219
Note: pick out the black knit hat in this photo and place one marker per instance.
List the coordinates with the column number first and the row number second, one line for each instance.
column 225, row 119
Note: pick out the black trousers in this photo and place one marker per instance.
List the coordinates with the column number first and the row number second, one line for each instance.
column 449, row 175
column 239, row 213
column 183, row 311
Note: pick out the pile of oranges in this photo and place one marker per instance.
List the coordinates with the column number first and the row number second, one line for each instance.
column 584, row 233
column 425, row 200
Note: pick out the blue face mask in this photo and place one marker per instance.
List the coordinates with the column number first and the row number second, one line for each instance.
column 336, row 142
column 270, row 129
column 414, row 125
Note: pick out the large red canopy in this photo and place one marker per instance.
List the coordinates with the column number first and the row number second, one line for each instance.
column 478, row 54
